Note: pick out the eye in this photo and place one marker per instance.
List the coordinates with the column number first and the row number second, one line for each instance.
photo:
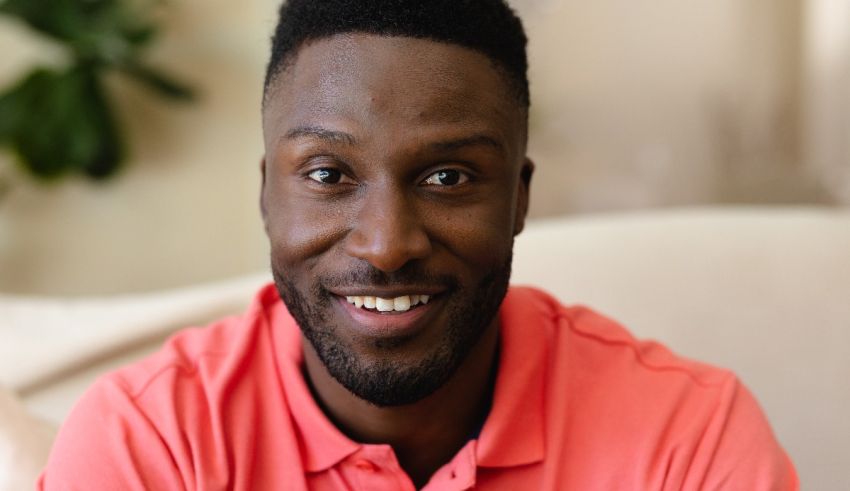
column 326, row 176
column 446, row 177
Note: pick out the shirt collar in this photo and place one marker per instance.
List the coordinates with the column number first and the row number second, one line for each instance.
column 322, row 444
column 513, row 432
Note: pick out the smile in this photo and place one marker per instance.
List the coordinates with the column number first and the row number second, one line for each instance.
column 401, row 303
column 390, row 315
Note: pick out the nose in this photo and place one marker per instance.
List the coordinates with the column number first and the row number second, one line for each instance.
column 388, row 232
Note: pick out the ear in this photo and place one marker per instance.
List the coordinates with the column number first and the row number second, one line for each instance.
column 523, row 194
column 263, row 191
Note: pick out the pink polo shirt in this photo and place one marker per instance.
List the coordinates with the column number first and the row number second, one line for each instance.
column 579, row 404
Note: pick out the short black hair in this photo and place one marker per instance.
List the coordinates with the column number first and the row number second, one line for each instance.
column 488, row 26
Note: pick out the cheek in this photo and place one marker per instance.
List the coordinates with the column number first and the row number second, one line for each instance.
column 481, row 235
column 301, row 229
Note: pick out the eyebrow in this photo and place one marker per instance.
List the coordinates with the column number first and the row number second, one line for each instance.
column 471, row 141
column 321, row 133
column 440, row 146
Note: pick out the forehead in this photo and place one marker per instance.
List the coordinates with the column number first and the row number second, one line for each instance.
column 395, row 84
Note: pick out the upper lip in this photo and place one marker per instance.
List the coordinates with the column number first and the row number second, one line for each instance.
column 387, row 292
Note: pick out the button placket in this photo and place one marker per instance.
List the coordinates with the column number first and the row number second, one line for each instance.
column 376, row 469
column 367, row 473
column 366, row 465
column 459, row 474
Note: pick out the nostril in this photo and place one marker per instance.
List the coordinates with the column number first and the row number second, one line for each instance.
column 388, row 247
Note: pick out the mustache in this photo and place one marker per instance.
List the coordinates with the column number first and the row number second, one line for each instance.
column 365, row 275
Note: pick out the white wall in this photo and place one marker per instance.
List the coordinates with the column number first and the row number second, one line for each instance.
column 657, row 103
column 647, row 103
column 826, row 83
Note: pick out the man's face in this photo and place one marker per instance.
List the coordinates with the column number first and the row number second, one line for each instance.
column 392, row 177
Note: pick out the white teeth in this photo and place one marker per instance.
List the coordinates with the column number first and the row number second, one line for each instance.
column 397, row 304
column 384, row 305
column 401, row 304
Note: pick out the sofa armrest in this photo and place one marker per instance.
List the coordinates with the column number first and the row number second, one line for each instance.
column 24, row 444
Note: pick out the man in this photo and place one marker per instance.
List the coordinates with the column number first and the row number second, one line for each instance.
column 390, row 353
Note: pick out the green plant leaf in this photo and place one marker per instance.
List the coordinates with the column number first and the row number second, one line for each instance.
column 65, row 125
column 61, row 19
column 140, row 35
column 107, row 153
column 158, row 81
column 61, row 122
column 12, row 106
column 94, row 30
column 33, row 133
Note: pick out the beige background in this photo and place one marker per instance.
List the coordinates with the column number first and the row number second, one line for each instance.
column 635, row 104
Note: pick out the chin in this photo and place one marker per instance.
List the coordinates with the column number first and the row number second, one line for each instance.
column 386, row 366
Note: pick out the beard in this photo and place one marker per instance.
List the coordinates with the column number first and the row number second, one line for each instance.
column 385, row 381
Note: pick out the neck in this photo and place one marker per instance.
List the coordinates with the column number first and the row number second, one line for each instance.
column 426, row 434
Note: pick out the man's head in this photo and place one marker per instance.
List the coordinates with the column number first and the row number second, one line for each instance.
column 395, row 173
column 487, row 26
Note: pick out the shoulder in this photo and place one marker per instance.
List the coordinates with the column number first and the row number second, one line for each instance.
column 202, row 355
column 598, row 341
column 629, row 401
column 182, row 407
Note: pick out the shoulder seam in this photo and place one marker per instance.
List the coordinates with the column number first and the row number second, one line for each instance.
column 186, row 369
column 561, row 315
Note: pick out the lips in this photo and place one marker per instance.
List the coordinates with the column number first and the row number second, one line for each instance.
column 388, row 315
column 402, row 303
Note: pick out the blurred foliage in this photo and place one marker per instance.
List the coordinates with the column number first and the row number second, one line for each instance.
column 60, row 121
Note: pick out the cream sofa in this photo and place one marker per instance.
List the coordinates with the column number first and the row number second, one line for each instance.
column 764, row 291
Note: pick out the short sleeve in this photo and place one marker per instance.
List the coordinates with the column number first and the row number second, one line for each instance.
column 739, row 450
column 107, row 443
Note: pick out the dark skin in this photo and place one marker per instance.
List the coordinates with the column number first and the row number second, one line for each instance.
column 394, row 151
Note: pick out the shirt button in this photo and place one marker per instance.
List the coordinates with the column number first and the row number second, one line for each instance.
column 365, row 465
